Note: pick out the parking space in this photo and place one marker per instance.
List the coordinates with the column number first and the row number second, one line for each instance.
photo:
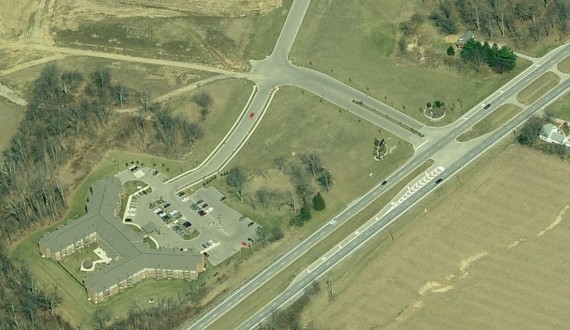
column 200, row 220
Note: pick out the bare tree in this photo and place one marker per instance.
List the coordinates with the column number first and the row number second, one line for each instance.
column 121, row 94
column 263, row 197
column 313, row 163
column 280, row 162
column 290, row 200
column 237, row 180
column 325, row 180
column 277, row 198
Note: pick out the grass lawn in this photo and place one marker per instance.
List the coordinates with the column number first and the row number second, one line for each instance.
column 155, row 79
column 276, row 285
column 367, row 59
column 538, row 88
column 10, row 117
column 496, row 119
column 564, row 66
column 229, row 97
column 464, row 264
column 299, row 123
column 560, row 108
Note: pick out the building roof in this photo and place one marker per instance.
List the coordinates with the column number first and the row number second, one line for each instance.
column 466, row 36
column 552, row 132
column 119, row 241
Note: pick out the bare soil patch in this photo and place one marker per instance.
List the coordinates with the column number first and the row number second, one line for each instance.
column 482, row 256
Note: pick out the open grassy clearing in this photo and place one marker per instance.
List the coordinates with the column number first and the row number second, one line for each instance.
column 482, row 255
column 222, row 41
column 155, row 79
column 367, row 62
column 229, row 97
column 298, row 124
column 538, row 88
column 496, row 119
column 283, row 279
column 10, row 117
column 564, row 66
column 560, row 108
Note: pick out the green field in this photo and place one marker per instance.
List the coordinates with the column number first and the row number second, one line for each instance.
column 298, row 123
column 366, row 60
column 564, row 66
column 538, row 88
column 560, row 108
column 154, row 79
column 496, row 119
column 229, row 97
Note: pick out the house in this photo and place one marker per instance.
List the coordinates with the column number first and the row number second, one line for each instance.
column 552, row 134
column 468, row 35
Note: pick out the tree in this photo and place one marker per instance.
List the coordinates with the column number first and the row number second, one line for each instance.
column 280, row 162
column 318, row 202
column 203, row 100
column 305, row 214
column 121, row 94
column 451, row 51
column 290, row 200
column 101, row 316
column 102, row 79
column 530, row 130
column 313, row 163
column 276, row 234
column 261, row 233
column 504, row 60
column 325, row 180
column 237, row 180
column 263, row 197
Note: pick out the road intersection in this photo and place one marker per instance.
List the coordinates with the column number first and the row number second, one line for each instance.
column 429, row 143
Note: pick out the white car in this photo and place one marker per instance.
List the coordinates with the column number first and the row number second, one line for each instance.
column 173, row 212
column 157, row 210
column 186, row 198
column 209, row 209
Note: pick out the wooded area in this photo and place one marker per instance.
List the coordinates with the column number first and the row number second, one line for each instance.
column 523, row 21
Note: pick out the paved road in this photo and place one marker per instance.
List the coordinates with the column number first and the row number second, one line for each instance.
column 381, row 221
column 462, row 125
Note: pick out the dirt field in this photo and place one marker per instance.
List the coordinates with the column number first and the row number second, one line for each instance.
column 15, row 17
column 538, row 88
column 488, row 255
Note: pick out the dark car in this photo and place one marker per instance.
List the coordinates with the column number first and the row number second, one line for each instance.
column 487, row 106
column 250, row 239
column 438, row 180
column 204, row 245
column 206, row 254
column 181, row 193
column 167, row 205
column 200, row 201
column 250, row 224
column 223, row 198
column 205, row 205
column 187, row 224
column 155, row 172
column 201, row 213
column 384, row 182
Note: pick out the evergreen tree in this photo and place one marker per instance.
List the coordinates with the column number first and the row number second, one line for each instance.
column 318, row 202
column 305, row 214
column 451, row 51
column 504, row 61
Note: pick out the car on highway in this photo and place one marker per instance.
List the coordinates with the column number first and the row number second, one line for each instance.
column 438, row 180
column 251, row 115
column 384, row 182
column 487, row 106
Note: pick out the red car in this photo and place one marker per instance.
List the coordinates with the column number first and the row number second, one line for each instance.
column 251, row 115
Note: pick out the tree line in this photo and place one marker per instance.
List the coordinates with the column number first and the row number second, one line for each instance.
column 67, row 117
column 523, row 21
column 498, row 59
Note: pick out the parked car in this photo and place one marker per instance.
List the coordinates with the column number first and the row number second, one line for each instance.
column 185, row 198
column 155, row 172
column 200, row 202
column 210, row 209
column 250, row 239
column 133, row 168
column 205, row 205
column 167, row 205
column 181, row 193
column 223, row 198
column 201, row 213
column 204, row 245
column 250, row 224
column 161, row 214
column 157, row 210
column 187, row 224
column 174, row 212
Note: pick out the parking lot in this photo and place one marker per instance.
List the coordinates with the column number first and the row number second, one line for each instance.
column 200, row 220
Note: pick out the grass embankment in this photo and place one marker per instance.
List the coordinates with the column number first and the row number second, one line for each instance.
column 560, row 108
column 10, row 117
column 496, row 119
column 277, row 284
column 538, row 88
column 367, row 60
column 564, row 66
